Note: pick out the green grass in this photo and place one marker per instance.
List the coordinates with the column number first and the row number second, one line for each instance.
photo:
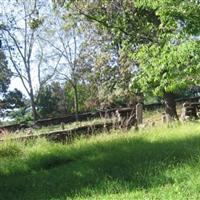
column 159, row 163
column 47, row 129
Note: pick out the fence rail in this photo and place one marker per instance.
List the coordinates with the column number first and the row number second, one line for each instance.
column 89, row 115
column 68, row 134
column 69, row 119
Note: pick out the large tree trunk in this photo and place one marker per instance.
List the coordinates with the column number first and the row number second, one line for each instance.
column 170, row 105
column 34, row 112
column 76, row 102
column 31, row 94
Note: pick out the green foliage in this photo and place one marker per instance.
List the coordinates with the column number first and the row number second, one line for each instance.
column 5, row 73
column 158, row 163
column 14, row 99
column 35, row 23
column 83, row 91
column 110, row 77
column 171, row 64
column 46, row 102
column 128, row 22
column 171, row 12
column 169, row 68
column 159, row 35
column 14, row 105
column 21, row 115
column 51, row 101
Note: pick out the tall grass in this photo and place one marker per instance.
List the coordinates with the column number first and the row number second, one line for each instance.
column 159, row 163
column 51, row 128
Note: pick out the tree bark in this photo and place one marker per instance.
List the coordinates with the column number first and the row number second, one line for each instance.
column 170, row 105
column 31, row 93
column 34, row 112
column 76, row 102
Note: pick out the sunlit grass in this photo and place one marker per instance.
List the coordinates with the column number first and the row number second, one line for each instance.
column 51, row 128
column 155, row 163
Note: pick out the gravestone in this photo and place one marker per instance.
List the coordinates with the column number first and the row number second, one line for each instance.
column 118, row 120
column 164, row 120
column 189, row 111
column 62, row 126
column 183, row 112
column 139, row 113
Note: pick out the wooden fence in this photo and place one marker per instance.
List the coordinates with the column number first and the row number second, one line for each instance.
column 68, row 134
column 88, row 116
column 124, row 112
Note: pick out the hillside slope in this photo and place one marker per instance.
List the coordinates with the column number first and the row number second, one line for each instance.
column 156, row 163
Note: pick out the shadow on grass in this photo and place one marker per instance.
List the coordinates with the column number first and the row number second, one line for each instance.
column 109, row 167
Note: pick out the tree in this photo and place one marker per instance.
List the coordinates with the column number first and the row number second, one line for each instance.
column 11, row 101
column 5, row 72
column 158, row 35
column 84, row 97
column 14, row 99
column 5, row 76
column 52, row 100
column 21, row 24
column 110, row 77
column 167, row 70
column 172, row 63
column 110, row 73
column 68, row 44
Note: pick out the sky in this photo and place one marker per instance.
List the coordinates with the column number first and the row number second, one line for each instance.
column 16, row 83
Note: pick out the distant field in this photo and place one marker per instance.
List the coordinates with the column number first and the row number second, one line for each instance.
column 157, row 163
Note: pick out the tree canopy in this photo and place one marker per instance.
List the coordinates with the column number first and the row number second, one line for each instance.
column 159, row 36
column 102, row 52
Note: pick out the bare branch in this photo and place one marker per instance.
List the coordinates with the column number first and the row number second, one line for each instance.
column 22, row 78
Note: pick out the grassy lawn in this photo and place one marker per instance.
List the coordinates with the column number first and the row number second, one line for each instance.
column 159, row 163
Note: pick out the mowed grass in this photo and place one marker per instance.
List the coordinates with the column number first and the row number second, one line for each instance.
column 157, row 163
